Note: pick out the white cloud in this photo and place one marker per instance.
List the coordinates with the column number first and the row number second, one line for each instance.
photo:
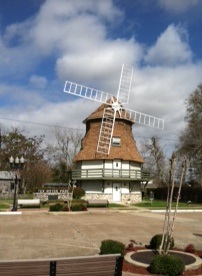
column 178, row 6
column 60, row 29
column 161, row 92
column 38, row 81
column 171, row 48
column 101, row 63
column 72, row 25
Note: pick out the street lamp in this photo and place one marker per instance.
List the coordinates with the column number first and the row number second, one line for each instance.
column 16, row 164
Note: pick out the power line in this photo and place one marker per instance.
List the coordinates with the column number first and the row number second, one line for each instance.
column 41, row 124
column 72, row 128
column 167, row 139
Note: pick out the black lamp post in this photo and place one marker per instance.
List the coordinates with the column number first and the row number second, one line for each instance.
column 16, row 164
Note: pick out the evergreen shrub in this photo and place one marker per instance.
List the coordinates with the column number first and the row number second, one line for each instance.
column 167, row 265
column 78, row 193
column 78, row 207
column 65, row 208
column 56, row 207
column 112, row 247
column 190, row 248
column 155, row 242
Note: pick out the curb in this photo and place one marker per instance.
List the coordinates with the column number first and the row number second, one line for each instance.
column 10, row 213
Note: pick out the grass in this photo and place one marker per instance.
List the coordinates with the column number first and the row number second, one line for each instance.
column 146, row 203
column 162, row 204
column 115, row 205
column 5, row 204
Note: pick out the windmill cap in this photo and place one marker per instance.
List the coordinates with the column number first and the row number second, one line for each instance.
column 98, row 113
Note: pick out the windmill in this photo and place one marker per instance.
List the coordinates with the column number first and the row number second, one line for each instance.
column 114, row 107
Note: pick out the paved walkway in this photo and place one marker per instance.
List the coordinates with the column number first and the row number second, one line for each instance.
column 39, row 234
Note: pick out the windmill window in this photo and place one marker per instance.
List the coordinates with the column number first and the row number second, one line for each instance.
column 116, row 141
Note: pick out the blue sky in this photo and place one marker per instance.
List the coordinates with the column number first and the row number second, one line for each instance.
column 44, row 43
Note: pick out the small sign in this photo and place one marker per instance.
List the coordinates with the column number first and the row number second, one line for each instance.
column 151, row 196
column 53, row 197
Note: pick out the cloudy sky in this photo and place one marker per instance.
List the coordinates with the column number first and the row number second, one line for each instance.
column 45, row 42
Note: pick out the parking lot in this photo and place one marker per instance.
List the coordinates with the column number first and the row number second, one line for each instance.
column 41, row 234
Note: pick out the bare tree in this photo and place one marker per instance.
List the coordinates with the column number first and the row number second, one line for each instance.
column 34, row 175
column 190, row 140
column 154, row 160
column 169, row 221
column 66, row 147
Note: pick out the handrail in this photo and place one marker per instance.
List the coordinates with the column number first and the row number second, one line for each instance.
column 109, row 173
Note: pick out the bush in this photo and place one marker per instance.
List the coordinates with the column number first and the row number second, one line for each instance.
column 56, row 207
column 65, row 208
column 167, row 265
column 155, row 242
column 190, row 249
column 78, row 207
column 78, row 193
column 112, row 247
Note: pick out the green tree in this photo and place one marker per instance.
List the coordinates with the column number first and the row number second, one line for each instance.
column 16, row 144
column 60, row 173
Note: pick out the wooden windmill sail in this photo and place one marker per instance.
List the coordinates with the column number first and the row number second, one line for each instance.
column 114, row 106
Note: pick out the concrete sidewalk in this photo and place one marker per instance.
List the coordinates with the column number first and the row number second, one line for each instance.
column 40, row 234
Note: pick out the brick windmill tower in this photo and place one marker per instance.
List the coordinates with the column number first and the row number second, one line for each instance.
column 109, row 165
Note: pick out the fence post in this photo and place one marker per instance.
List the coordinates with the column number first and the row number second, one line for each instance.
column 53, row 268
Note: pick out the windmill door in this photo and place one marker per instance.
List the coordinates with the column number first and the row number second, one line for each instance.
column 116, row 192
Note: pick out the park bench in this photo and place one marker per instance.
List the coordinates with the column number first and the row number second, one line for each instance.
column 29, row 202
column 100, row 265
column 98, row 202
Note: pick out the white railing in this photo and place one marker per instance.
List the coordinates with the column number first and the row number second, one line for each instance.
column 109, row 173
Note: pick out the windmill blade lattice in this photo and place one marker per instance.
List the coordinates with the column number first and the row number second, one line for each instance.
column 125, row 84
column 106, row 131
column 142, row 118
column 115, row 105
column 109, row 114
column 86, row 92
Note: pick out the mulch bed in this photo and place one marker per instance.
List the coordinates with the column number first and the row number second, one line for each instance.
column 146, row 257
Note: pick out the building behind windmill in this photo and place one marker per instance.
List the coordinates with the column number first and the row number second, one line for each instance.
column 116, row 176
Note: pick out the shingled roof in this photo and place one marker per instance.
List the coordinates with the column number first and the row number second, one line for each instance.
column 98, row 113
column 122, row 128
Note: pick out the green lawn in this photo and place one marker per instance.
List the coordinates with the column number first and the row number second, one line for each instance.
column 146, row 203
column 162, row 204
column 116, row 205
column 5, row 204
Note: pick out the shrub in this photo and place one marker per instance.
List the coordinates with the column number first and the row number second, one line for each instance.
column 78, row 207
column 155, row 242
column 56, row 207
column 78, row 193
column 65, row 208
column 190, row 249
column 112, row 247
column 130, row 246
column 167, row 265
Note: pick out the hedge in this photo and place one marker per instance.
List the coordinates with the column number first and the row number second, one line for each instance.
column 187, row 194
